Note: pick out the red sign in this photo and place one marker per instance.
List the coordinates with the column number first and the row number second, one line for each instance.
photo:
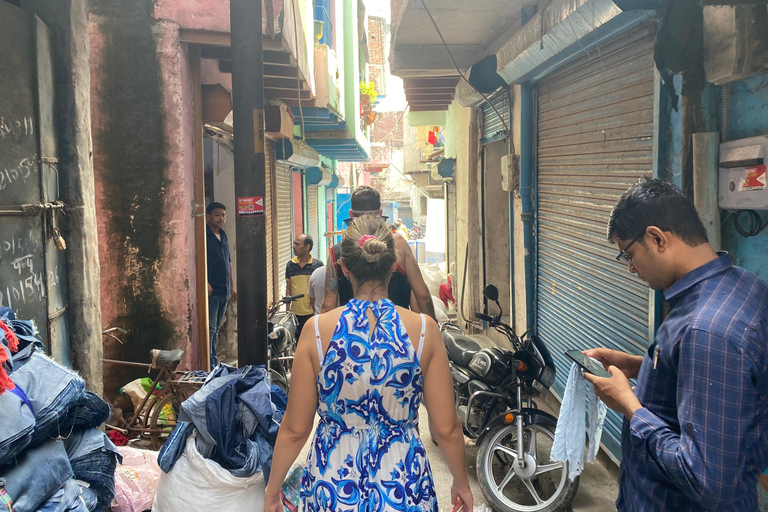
column 250, row 206
column 755, row 178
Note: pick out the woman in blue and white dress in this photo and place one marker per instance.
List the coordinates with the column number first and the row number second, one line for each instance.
column 364, row 368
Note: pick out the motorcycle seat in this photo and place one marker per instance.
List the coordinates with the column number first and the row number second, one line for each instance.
column 168, row 359
column 460, row 348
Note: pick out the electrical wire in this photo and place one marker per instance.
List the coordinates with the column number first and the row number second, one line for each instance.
column 403, row 175
column 434, row 23
column 756, row 224
column 298, row 78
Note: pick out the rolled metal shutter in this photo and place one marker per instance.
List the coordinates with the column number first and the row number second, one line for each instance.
column 284, row 208
column 270, row 173
column 595, row 139
column 314, row 219
column 493, row 127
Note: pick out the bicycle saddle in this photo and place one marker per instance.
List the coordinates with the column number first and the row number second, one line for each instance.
column 168, row 359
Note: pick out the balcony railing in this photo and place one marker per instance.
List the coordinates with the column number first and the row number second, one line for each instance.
column 321, row 14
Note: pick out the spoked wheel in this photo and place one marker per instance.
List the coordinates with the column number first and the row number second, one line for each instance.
column 164, row 413
column 541, row 485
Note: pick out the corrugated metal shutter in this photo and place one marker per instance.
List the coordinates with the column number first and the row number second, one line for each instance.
column 493, row 127
column 270, row 173
column 284, row 222
column 595, row 139
column 314, row 220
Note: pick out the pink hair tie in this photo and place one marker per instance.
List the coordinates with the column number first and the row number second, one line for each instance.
column 364, row 239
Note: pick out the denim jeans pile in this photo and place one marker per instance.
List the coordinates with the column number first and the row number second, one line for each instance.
column 236, row 421
column 52, row 456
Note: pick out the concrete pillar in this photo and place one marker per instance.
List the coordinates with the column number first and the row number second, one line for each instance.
column 68, row 21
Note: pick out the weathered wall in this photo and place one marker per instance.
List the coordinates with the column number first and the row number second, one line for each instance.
column 747, row 107
column 68, row 20
column 462, row 143
column 141, row 102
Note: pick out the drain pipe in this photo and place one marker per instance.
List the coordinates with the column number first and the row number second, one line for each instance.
column 527, row 165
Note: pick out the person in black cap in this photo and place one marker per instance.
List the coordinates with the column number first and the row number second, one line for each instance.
column 405, row 279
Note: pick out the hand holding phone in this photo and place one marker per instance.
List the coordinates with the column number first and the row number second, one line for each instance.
column 587, row 364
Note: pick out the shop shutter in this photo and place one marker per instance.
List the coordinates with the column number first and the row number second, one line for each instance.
column 314, row 220
column 595, row 139
column 284, row 222
column 270, row 182
column 493, row 127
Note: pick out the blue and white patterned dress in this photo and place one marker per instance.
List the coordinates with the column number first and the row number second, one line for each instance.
column 367, row 454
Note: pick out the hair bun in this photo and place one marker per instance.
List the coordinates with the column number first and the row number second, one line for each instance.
column 374, row 249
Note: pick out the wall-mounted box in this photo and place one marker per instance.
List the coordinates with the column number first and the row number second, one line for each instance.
column 743, row 174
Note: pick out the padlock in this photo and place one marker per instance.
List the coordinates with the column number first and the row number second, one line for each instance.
column 61, row 244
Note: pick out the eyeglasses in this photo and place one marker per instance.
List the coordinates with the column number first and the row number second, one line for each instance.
column 623, row 257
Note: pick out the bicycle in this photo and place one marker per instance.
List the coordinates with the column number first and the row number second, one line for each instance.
column 155, row 417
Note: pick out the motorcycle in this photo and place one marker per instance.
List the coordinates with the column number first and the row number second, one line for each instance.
column 494, row 390
column 282, row 342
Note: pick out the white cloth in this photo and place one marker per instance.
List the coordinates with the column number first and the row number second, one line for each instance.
column 317, row 287
column 579, row 401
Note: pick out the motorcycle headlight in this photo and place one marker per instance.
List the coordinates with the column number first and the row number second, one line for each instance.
column 480, row 364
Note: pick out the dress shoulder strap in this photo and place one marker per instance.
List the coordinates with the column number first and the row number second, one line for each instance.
column 422, row 335
column 318, row 341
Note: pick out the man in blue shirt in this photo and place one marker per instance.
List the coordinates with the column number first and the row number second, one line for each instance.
column 220, row 285
column 695, row 432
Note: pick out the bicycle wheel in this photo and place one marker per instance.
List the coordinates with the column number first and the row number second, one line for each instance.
column 163, row 414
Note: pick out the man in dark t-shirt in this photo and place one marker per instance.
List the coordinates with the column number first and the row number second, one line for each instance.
column 406, row 279
column 220, row 285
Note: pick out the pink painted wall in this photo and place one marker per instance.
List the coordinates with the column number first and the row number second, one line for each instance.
column 173, row 273
column 177, row 286
column 210, row 15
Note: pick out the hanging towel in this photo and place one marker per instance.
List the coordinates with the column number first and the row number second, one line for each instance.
column 579, row 401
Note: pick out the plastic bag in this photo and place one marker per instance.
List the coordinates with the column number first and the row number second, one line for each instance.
column 197, row 483
column 136, row 480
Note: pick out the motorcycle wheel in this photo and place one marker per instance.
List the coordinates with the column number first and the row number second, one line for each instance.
column 278, row 380
column 542, row 486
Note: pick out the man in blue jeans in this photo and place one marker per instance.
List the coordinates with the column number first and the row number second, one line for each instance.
column 220, row 285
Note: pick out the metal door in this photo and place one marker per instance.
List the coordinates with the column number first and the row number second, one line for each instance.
column 284, row 221
column 595, row 139
column 32, row 279
column 269, row 172
column 493, row 127
column 313, row 218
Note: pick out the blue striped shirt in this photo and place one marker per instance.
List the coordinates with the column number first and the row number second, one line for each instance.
column 701, row 439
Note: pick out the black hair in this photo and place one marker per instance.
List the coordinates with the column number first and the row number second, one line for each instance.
column 368, row 249
column 655, row 202
column 214, row 205
column 308, row 241
column 365, row 199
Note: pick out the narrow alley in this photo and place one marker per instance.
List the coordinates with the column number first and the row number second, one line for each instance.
column 390, row 255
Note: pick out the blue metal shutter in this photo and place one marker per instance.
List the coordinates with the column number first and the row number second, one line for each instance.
column 595, row 139
column 493, row 127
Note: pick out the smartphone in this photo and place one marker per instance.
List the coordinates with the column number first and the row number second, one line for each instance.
column 586, row 363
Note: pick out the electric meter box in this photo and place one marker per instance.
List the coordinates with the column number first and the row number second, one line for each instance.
column 743, row 174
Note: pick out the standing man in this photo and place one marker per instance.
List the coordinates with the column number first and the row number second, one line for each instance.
column 695, row 432
column 297, row 274
column 407, row 277
column 317, row 289
column 220, row 285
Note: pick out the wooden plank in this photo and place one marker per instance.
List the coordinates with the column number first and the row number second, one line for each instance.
column 201, row 268
column 424, row 108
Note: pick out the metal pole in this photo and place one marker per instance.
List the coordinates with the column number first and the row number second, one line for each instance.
column 250, row 188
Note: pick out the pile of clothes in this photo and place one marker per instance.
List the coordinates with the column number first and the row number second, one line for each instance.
column 52, row 456
column 222, row 444
column 235, row 416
